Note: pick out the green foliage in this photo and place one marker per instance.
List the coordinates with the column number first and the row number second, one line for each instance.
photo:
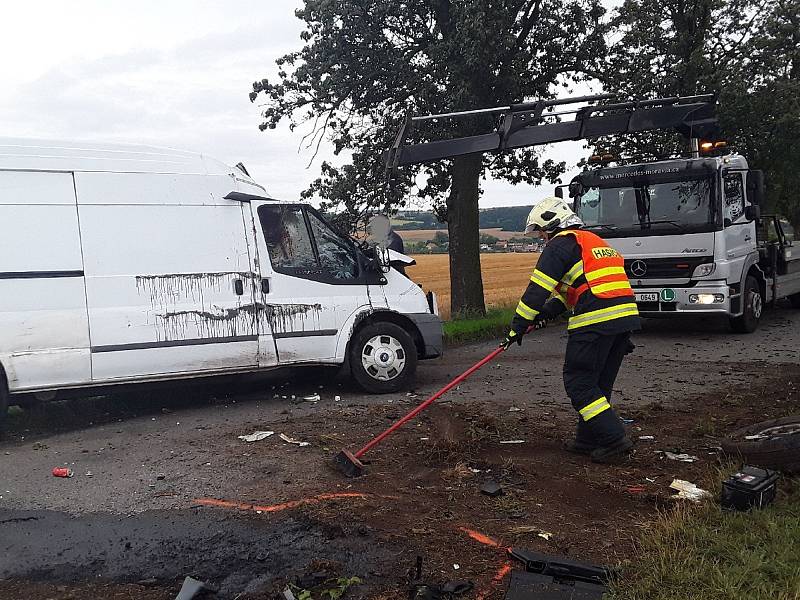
column 705, row 552
column 494, row 325
column 746, row 50
column 366, row 63
column 332, row 589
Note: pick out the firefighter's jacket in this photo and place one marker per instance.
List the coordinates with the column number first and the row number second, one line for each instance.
column 578, row 271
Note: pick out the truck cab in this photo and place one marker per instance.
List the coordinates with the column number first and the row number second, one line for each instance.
column 692, row 236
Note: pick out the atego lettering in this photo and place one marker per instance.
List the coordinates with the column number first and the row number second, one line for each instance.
column 604, row 253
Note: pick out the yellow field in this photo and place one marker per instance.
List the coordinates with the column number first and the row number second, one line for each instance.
column 505, row 277
column 423, row 235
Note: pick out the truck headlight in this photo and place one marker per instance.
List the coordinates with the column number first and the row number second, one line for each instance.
column 704, row 270
column 706, row 298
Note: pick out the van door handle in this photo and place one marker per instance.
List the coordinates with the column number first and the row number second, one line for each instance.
column 264, row 285
column 238, row 287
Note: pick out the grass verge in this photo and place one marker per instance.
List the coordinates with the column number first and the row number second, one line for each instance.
column 703, row 552
column 494, row 325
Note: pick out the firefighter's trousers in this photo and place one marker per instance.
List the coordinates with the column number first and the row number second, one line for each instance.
column 591, row 364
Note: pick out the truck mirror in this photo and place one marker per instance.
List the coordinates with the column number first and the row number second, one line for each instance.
column 575, row 188
column 755, row 187
column 752, row 212
column 560, row 192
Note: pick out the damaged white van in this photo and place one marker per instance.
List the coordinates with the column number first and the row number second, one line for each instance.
column 123, row 264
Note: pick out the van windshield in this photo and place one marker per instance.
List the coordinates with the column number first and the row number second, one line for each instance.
column 656, row 209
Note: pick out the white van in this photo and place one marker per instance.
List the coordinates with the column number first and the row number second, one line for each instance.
column 123, row 264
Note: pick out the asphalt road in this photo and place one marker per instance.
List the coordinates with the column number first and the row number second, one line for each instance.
column 169, row 452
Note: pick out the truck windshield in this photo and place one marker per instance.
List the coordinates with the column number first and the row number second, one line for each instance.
column 657, row 209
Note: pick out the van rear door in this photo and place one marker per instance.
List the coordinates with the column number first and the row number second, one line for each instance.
column 44, row 334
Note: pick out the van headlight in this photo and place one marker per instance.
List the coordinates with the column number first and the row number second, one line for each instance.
column 704, row 270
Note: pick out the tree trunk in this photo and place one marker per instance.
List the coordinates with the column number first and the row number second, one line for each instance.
column 466, row 284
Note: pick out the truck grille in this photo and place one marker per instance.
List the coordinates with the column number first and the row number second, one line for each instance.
column 666, row 268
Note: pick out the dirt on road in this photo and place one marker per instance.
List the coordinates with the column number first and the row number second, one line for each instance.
column 165, row 489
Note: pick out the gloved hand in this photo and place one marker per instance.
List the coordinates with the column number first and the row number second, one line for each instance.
column 519, row 327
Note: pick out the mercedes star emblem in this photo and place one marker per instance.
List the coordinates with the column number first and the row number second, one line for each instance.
column 638, row 268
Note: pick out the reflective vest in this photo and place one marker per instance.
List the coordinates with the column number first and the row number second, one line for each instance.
column 603, row 270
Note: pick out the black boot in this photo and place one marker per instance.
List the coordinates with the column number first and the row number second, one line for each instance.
column 583, row 443
column 613, row 451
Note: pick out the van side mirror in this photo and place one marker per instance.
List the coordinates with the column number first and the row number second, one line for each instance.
column 752, row 212
column 560, row 192
column 755, row 187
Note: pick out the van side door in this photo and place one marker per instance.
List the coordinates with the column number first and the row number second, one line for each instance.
column 313, row 281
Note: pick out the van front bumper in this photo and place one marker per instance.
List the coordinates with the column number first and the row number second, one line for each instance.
column 712, row 298
column 430, row 329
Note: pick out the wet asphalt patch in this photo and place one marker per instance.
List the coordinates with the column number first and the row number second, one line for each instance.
column 236, row 552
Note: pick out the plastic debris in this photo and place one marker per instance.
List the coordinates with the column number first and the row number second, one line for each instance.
column 312, row 398
column 337, row 398
column 647, row 437
column 456, row 566
column 514, row 409
column 688, row 490
column 192, row 587
column 62, row 472
column 627, row 421
column 256, row 436
column 635, row 489
column 545, row 535
column 492, row 489
column 512, row 441
column 291, row 440
column 680, row 457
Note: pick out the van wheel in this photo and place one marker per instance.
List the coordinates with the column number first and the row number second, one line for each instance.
column 772, row 444
column 794, row 299
column 3, row 403
column 753, row 307
column 383, row 358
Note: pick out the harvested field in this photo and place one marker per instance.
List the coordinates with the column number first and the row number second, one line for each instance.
column 505, row 276
column 423, row 235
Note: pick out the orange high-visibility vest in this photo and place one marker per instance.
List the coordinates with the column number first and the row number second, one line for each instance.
column 603, row 268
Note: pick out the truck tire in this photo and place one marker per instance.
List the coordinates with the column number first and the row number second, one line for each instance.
column 794, row 299
column 383, row 358
column 774, row 444
column 753, row 308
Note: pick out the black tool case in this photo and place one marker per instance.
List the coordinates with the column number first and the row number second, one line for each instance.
column 750, row 487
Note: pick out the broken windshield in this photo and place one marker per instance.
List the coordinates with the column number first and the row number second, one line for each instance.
column 657, row 209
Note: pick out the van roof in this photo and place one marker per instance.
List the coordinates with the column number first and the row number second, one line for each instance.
column 54, row 155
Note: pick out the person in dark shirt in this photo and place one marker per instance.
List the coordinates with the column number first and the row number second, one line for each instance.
column 578, row 271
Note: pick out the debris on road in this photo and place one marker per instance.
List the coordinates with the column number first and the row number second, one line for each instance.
column 647, row 437
column 192, row 587
column 514, row 409
column 688, row 490
column 291, row 440
column 337, row 398
column 512, row 441
column 62, row 472
column 679, row 457
column 256, row 436
column 492, row 489
column 312, row 398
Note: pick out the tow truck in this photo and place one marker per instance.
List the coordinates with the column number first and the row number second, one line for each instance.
column 690, row 228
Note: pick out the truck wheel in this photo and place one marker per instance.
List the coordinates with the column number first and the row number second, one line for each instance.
column 383, row 358
column 753, row 307
column 773, row 444
column 794, row 299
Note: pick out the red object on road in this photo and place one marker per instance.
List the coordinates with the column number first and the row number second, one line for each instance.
column 350, row 464
column 62, row 472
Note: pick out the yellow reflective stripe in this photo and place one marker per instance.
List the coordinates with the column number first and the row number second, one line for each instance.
column 598, row 273
column 611, row 286
column 594, row 409
column 526, row 312
column 575, row 271
column 512, row 333
column 604, row 314
column 543, row 280
column 560, row 295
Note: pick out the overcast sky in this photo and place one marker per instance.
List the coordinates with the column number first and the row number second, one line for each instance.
column 170, row 73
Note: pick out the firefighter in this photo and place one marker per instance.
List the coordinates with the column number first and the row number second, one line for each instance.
column 578, row 271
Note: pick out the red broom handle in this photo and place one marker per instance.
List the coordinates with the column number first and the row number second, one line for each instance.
column 402, row 421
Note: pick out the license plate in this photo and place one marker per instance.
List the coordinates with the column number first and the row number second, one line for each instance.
column 647, row 297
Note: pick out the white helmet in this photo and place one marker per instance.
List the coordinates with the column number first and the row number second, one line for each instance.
column 550, row 214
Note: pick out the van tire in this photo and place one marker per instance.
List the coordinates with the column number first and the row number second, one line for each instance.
column 383, row 358
column 794, row 300
column 753, row 307
column 779, row 449
column 3, row 402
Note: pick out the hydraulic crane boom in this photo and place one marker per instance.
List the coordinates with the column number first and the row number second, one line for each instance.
column 536, row 123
